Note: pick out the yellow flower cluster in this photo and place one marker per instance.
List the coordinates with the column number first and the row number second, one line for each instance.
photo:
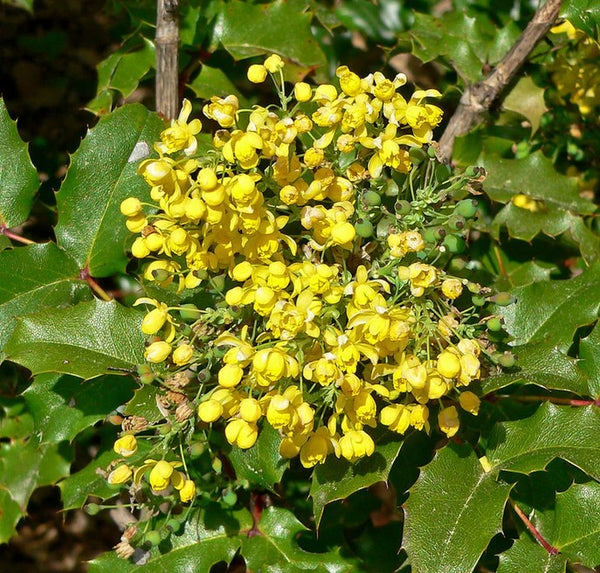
column 575, row 72
column 323, row 343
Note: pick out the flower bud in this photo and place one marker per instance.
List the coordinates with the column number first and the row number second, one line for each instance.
column 131, row 207
column 257, row 74
column 126, row 446
column 183, row 354
column 157, row 351
column 302, row 92
column 210, row 411
column 120, row 475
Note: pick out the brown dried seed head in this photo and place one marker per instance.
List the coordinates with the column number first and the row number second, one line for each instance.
column 134, row 424
column 184, row 411
column 175, row 397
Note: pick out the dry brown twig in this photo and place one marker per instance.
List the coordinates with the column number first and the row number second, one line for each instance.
column 167, row 46
column 478, row 98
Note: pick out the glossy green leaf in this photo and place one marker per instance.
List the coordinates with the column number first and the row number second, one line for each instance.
column 246, row 30
column 213, row 82
column 33, row 278
column 103, row 172
column 566, row 432
column 524, row 274
column 589, row 353
column 535, row 177
column 24, row 466
column 62, row 406
column 16, row 420
column 588, row 240
column 543, row 364
column 467, row 42
column 455, row 507
column 572, row 525
column 10, row 516
column 525, row 225
column 528, row 555
column 551, row 311
column 18, row 177
column 338, row 478
column 275, row 549
column 261, row 464
column 210, row 536
column 380, row 22
column 123, row 70
column 23, row 4
column 143, row 404
column 584, row 15
column 85, row 340
column 527, row 99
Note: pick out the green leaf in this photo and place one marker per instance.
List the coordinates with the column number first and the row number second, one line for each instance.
column 122, row 71
column 528, row 555
column 85, row 340
column 276, row 549
column 24, row 466
column 18, row 177
column 527, row 99
column 552, row 432
column 525, row 225
column 23, row 4
column 213, row 82
column 143, row 404
column 542, row 364
column 455, row 507
column 588, row 240
column 338, row 478
column 524, row 274
column 552, row 311
column 33, row 278
column 246, row 30
column 261, row 464
column 589, row 353
column 210, row 536
column 62, row 406
column 584, row 15
column 572, row 525
column 11, row 513
column 380, row 22
column 103, row 172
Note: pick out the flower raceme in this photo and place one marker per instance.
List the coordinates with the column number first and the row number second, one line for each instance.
column 318, row 330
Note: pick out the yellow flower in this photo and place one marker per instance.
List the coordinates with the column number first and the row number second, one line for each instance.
column 396, row 417
column 222, row 110
column 452, row 288
column 469, row 402
column 243, row 147
column 230, row 375
column 120, row 475
column 181, row 135
column 448, row 421
column 131, row 207
column 126, row 446
column 302, row 92
column 241, row 433
column 448, row 364
column 183, row 354
column 157, row 351
column 257, row 73
column 210, row 410
column 356, row 444
column 316, row 448
column 160, row 475
column 188, row 491
column 273, row 63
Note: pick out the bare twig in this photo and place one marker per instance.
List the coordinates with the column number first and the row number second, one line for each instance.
column 167, row 46
column 478, row 98
column 549, row 548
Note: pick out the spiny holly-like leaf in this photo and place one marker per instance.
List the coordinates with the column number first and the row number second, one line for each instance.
column 143, row 404
column 535, row 177
column 62, row 406
column 467, row 42
column 452, row 512
column 261, row 464
column 588, row 240
column 552, row 311
column 566, row 432
column 102, row 173
column 543, row 364
column 527, row 99
column 275, row 549
column 85, row 340
column 584, row 15
column 24, row 466
column 247, row 30
column 589, row 353
column 338, row 478
column 213, row 82
column 18, row 177
column 572, row 525
column 528, row 555
column 210, row 536
column 33, row 278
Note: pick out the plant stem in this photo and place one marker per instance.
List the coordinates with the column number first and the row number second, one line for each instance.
column 85, row 275
column 478, row 98
column 549, row 548
column 15, row 237
column 167, row 46
column 555, row 400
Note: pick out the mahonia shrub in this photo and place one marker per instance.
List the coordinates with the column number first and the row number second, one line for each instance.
column 316, row 232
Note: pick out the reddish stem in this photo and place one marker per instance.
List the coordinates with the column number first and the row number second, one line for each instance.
column 554, row 400
column 15, row 237
column 85, row 275
column 549, row 548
